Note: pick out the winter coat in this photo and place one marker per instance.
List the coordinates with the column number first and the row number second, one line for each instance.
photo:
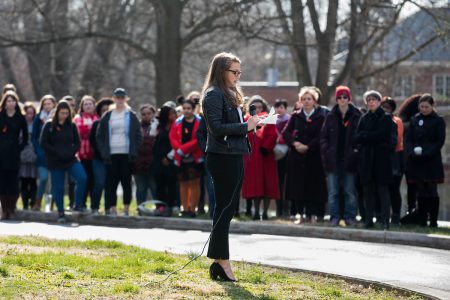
column 260, row 166
column 427, row 132
column 13, row 139
column 190, row 148
column 374, row 139
column 84, row 124
column 329, row 139
column 145, row 152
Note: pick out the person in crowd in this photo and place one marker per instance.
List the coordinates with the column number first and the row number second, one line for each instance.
column 202, row 137
column 305, row 177
column 118, row 140
column 70, row 181
column 142, row 168
column 339, row 156
column 13, row 139
column 28, row 169
column 60, row 142
column 83, row 120
column 424, row 164
column 260, row 167
column 389, row 106
column 374, row 137
column 163, row 154
column 226, row 145
column 281, row 106
column 9, row 87
column 408, row 109
column 188, row 157
column 98, row 167
column 46, row 107
column 195, row 97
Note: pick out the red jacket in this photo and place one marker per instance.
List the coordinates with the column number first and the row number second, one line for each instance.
column 261, row 171
column 189, row 148
column 84, row 125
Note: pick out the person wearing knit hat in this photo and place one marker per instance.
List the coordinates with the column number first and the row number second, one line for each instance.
column 375, row 168
column 339, row 157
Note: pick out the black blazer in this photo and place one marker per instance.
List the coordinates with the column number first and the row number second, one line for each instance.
column 226, row 133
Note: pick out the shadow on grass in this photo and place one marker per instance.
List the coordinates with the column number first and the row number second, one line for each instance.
column 235, row 291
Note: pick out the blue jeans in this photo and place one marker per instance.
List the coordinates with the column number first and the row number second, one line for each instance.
column 347, row 180
column 76, row 171
column 210, row 189
column 43, row 179
column 99, row 171
column 143, row 184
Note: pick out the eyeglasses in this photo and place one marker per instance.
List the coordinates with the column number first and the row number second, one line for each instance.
column 342, row 97
column 235, row 72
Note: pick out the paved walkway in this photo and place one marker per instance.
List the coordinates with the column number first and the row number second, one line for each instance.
column 416, row 268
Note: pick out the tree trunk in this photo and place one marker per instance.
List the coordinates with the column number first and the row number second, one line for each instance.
column 168, row 50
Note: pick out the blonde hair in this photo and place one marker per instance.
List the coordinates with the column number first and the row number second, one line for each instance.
column 308, row 90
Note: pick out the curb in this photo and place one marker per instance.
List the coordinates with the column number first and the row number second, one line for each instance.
column 359, row 235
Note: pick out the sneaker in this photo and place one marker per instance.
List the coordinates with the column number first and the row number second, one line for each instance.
column 334, row 222
column 95, row 212
column 61, row 219
column 113, row 213
column 126, row 214
column 350, row 222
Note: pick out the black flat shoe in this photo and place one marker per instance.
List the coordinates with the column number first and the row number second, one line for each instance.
column 216, row 272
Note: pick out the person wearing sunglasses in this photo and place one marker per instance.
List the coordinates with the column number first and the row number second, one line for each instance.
column 339, row 156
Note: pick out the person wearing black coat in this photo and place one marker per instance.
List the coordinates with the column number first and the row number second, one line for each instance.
column 13, row 126
column 426, row 137
column 60, row 142
column 374, row 136
column 339, row 156
column 226, row 144
column 305, row 177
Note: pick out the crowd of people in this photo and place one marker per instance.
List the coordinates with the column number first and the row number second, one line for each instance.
column 350, row 159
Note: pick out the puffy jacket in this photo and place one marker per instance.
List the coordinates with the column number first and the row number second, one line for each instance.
column 186, row 149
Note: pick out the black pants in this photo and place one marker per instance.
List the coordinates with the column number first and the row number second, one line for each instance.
column 282, row 204
column 412, row 196
column 28, row 189
column 428, row 202
column 87, row 166
column 227, row 172
column 9, row 189
column 118, row 171
column 167, row 188
column 370, row 195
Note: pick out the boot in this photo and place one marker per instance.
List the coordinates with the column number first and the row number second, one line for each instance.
column 248, row 211
column 433, row 204
column 256, row 216
column 266, row 203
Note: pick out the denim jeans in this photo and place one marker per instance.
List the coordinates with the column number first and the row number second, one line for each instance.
column 76, row 171
column 43, row 179
column 99, row 182
column 143, row 184
column 334, row 182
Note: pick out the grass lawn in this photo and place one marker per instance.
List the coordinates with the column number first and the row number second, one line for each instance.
column 32, row 267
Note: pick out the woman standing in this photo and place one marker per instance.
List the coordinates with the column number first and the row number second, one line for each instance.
column 84, row 121
column 118, row 140
column 98, row 166
column 46, row 106
column 60, row 142
column 305, row 177
column 424, row 164
column 260, row 168
column 12, row 127
column 142, row 168
column 187, row 157
column 28, row 169
column 165, row 170
column 226, row 145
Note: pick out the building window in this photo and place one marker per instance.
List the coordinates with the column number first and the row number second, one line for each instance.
column 441, row 85
column 404, row 86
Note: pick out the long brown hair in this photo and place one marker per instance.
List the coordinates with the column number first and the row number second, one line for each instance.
column 216, row 77
column 84, row 99
column 63, row 104
column 5, row 97
column 43, row 99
